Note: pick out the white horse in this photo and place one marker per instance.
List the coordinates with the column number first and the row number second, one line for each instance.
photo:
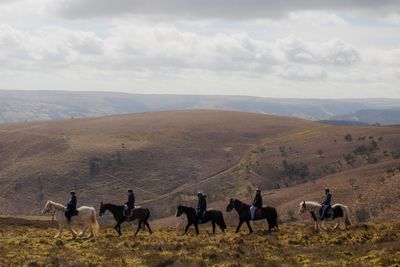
column 340, row 213
column 86, row 216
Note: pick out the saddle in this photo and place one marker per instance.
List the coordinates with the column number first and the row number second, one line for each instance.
column 128, row 213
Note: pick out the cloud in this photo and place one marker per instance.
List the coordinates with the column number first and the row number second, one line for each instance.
column 218, row 9
column 144, row 48
column 333, row 52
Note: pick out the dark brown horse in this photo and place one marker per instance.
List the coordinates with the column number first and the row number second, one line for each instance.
column 215, row 216
column 139, row 213
column 243, row 210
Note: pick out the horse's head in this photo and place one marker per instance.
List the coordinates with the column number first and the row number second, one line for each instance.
column 47, row 208
column 179, row 210
column 231, row 205
column 102, row 209
column 302, row 207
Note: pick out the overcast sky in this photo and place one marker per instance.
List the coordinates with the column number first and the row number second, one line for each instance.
column 293, row 48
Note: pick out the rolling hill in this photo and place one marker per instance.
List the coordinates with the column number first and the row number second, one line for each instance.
column 19, row 106
column 371, row 116
column 167, row 156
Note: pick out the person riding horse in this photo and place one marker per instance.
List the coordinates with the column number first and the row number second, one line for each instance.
column 130, row 204
column 257, row 203
column 71, row 206
column 201, row 206
column 326, row 204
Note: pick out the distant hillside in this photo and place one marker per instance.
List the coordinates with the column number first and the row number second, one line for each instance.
column 17, row 106
column 372, row 116
column 344, row 122
column 167, row 156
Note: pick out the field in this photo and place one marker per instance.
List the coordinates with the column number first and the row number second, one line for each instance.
column 25, row 242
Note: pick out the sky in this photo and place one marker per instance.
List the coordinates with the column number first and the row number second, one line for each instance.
column 293, row 48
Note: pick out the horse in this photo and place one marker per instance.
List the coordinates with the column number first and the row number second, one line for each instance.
column 340, row 213
column 139, row 213
column 243, row 211
column 86, row 216
column 215, row 216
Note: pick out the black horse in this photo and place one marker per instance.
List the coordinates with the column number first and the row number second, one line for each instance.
column 243, row 210
column 215, row 216
column 142, row 214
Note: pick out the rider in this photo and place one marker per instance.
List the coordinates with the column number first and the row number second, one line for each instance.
column 257, row 203
column 326, row 204
column 71, row 206
column 130, row 204
column 201, row 206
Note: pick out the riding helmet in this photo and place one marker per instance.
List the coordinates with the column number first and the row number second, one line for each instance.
column 130, row 191
column 327, row 189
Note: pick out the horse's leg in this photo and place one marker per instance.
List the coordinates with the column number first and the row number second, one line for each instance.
column 249, row 226
column 323, row 225
column 148, row 227
column 117, row 228
column 60, row 230
column 138, row 228
column 72, row 231
column 187, row 227
column 239, row 225
column 213, row 226
column 84, row 231
column 337, row 223
column 196, row 226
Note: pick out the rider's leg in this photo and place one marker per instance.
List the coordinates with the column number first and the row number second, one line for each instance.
column 323, row 212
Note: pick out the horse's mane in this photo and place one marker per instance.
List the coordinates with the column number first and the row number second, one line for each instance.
column 312, row 203
column 57, row 205
column 187, row 207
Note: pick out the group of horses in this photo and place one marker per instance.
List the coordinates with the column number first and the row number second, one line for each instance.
column 87, row 216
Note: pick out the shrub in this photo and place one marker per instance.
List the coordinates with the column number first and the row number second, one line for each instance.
column 372, row 160
column 367, row 150
column 291, row 217
column 300, row 170
column 395, row 154
column 348, row 137
column 362, row 215
column 349, row 158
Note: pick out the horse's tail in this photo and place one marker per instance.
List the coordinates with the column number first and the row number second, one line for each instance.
column 346, row 216
column 148, row 215
column 222, row 221
column 94, row 223
column 276, row 217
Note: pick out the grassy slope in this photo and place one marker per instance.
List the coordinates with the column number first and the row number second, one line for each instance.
column 168, row 156
column 31, row 243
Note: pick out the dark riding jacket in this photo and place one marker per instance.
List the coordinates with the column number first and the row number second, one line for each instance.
column 71, row 206
column 201, row 205
column 328, row 200
column 131, row 201
column 257, row 201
